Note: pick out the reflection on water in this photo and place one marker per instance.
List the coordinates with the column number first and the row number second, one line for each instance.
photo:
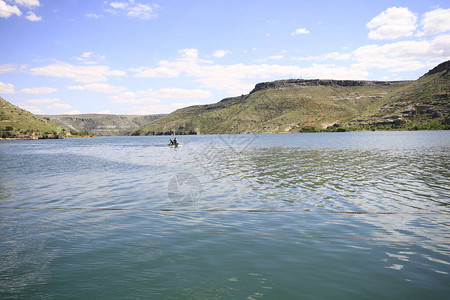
column 273, row 216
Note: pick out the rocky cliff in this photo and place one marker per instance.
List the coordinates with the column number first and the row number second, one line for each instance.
column 291, row 83
column 102, row 124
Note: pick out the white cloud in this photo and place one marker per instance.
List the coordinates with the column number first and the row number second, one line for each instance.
column 240, row 78
column 90, row 58
column 105, row 112
column 393, row 23
column 119, row 5
column 93, row 16
column 7, row 68
column 220, row 53
column 153, row 96
column 38, row 90
column 59, row 106
column 190, row 53
column 32, row 109
column 72, row 112
column 273, row 57
column 32, row 17
column 234, row 78
column 403, row 56
column 132, row 97
column 6, row 88
column 300, row 31
column 7, row 11
column 85, row 74
column 155, row 72
column 327, row 56
column 103, row 88
column 160, row 108
column 43, row 100
column 177, row 93
column 27, row 3
column 435, row 21
column 142, row 11
column 11, row 68
column 133, row 9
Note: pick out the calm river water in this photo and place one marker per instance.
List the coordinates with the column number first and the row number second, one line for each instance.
column 277, row 216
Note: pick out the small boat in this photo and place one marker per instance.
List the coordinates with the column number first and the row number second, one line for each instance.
column 174, row 143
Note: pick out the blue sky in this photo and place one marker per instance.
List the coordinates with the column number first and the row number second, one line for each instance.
column 145, row 57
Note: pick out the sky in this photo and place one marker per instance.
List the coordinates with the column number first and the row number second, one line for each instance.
column 149, row 57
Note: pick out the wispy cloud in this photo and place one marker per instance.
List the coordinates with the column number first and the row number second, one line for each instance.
column 89, row 58
column 234, row 78
column 43, row 100
column 6, row 88
column 160, row 108
column 72, row 112
column 220, row 53
column 132, row 8
column 87, row 74
column 300, row 31
column 326, row 56
column 102, row 88
column 31, row 108
column 32, row 17
column 93, row 16
column 272, row 57
column 38, row 90
column 154, row 96
column 12, row 68
column 158, row 72
column 28, row 3
column 59, row 106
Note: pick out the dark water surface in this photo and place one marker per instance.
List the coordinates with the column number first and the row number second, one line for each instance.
column 282, row 216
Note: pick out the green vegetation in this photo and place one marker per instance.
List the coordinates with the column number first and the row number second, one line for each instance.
column 15, row 122
column 319, row 105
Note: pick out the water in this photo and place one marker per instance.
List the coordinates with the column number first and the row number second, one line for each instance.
column 282, row 216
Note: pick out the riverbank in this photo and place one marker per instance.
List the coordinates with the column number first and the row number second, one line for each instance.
column 23, row 138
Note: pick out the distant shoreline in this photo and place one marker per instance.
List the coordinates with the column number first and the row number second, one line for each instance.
column 89, row 136
column 35, row 138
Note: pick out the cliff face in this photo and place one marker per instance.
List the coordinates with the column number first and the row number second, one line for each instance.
column 102, row 124
column 290, row 83
column 443, row 67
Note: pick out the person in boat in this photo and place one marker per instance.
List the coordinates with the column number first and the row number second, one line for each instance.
column 173, row 142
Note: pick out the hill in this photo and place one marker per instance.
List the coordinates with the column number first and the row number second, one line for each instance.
column 102, row 124
column 314, row 105
column 15, row 121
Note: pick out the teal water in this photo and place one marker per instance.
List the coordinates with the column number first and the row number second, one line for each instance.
column 281, row 216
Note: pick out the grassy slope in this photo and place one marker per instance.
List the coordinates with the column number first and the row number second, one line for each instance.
column 274, row 110
column 428, row 98
column 22, row 122
column 102, row 124
column 420, row 104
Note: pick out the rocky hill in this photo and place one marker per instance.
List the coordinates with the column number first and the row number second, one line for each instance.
column 102, row 124
column 298, row 105
column 15, row 121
